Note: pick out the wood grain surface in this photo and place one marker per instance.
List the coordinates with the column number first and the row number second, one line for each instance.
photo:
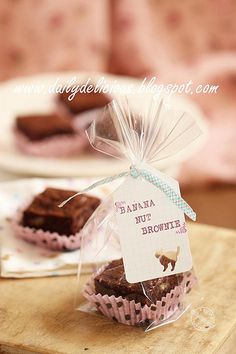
column 37, row 315
column 214, row 205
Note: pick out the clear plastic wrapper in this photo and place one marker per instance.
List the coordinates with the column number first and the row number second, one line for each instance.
column 143, row 138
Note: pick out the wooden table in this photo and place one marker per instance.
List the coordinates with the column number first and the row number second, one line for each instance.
column 215, row 205
column 37, row 315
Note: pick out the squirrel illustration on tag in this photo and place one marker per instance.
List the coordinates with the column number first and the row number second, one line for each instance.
column 167, row 257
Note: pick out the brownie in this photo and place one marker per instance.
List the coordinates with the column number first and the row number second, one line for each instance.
column 39, row 127
column 44, row 213
column 111, row 281
column 83, row 101
column 105, row 127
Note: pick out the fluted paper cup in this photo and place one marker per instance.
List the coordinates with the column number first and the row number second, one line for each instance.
column 130, row 313
column 46, row 239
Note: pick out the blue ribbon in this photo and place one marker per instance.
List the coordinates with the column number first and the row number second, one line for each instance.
column 165, row 188
column 149, row 177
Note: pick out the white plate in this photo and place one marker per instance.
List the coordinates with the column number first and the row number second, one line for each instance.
column 13, row 103
column 20, row 259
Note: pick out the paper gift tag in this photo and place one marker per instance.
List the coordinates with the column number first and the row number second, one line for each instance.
column 152, row 230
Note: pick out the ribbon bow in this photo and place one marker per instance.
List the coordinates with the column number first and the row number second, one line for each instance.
column 149, row 177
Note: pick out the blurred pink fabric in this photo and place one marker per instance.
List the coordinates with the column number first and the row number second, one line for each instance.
column 45, row 35
column 176, row 41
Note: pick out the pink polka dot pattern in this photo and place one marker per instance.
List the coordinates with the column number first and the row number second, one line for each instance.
column 130, row 37
column 42, row 36
column 173, row 40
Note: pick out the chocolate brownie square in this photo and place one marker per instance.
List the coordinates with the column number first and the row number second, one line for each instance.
column 112, row 281
column 44, row 213
column 107, row 129
column 83, row 101
column 39, row 127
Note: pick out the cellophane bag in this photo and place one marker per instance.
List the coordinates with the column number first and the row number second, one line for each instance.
column 148, row 279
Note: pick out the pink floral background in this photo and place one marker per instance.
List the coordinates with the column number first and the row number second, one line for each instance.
column 175, row 40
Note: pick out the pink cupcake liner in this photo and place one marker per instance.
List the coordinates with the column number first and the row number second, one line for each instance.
column 56, row 146
column 46, row 239
column 131, row 313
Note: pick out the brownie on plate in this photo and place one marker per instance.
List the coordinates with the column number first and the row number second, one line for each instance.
column 83, row 101
column 111, row 281
column 44, row 212
column 39, row 127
